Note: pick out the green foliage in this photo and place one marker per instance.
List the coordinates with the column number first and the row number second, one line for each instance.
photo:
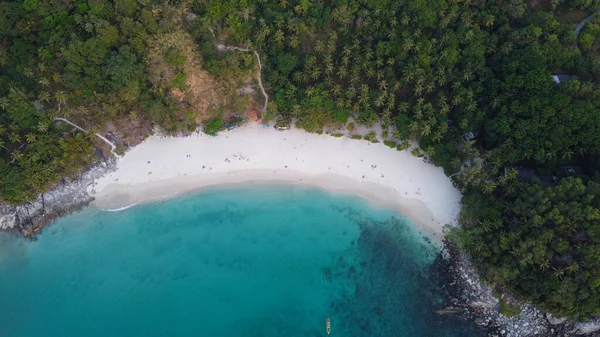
column 371, row 136
column 337, row 135
column 174, row 57
column 286, row 63
column 213, row 126
column 433, row 69
column 509, row 310
column 356, row 137
column 390, row 144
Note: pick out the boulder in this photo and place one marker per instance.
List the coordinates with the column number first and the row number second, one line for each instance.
column 555, row 320
column 585, row 328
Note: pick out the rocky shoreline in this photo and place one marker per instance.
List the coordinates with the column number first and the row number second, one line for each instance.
column 69, row 196
column 479, row 304
column 470, row 297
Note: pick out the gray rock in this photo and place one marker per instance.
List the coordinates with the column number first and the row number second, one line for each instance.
column 68, row 196
column 585, row 328
column 555, row 320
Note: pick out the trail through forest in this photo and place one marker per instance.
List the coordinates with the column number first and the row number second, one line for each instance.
column 582, row 23
column 262, row 89
column 112, row 146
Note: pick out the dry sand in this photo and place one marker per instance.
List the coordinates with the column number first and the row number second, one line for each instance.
column 165, row 167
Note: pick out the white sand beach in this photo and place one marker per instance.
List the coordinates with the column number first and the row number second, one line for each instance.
column 164, row 167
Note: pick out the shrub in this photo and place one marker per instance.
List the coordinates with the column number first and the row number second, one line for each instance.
column 212, row 126
column 357, row 137
column 389, row 144
column 509, row 310
column 416, row 152
column 372, row 137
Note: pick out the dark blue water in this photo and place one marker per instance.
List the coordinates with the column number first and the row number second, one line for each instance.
column 267, row 260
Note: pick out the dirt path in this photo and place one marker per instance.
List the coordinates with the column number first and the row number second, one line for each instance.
column 262, row 89
column 582, row 23
column 112, row 146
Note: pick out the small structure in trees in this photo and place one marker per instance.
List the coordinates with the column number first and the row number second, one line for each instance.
column 560, row 78
column 528, row 175
column 469, row 136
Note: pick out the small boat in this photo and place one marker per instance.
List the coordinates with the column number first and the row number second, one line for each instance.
column 328, row 325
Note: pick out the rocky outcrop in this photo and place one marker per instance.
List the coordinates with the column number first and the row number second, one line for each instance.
column 473, row 294
column 555, row 320
column 585, row 328
column 68, row 196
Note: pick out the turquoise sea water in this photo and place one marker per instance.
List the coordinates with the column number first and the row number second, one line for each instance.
column 250, row 260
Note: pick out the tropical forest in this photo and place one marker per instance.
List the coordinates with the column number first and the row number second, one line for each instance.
column 504, row 95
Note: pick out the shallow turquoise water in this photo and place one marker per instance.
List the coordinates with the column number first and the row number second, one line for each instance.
column 252, row 260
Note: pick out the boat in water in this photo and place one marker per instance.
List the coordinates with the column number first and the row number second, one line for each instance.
column 328, row 325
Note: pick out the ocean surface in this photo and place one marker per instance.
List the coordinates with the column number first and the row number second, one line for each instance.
column 248, row 260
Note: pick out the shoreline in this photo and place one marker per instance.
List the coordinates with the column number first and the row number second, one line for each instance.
column 118, row 197
column 164, row 167
column 417, row 190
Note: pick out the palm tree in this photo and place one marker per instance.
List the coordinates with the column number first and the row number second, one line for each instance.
column 310, row 91
column 60, row 96
column 279, row 37
column 544, row 265
column 14, row 137
column 456, row 100
column 455, row 163
column 337, row 90
column 27, row 72
column 572, row 268
column 426, row 130
column 370, row 73
column 496, row 102
column 403, row 107
column 45, row 82
column 489, row 20
column 245, row 13
column 408, row 44
column 405, row 20
column 4, row 103
column 43, row 127
column 30, row 138
column 506, row 48
column 16, row 155
column 297, row 77
column 319, row 46
column 567, row 154
column 489, row 187
column 294, row 41
column 345, row 61
column 351, row 92
column 296, row 111
column 466, row 76
column 471, row 106
column 315, row 73
column 56, row 78
column 383, row 85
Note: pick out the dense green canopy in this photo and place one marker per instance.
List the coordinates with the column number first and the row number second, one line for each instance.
column 429, row 71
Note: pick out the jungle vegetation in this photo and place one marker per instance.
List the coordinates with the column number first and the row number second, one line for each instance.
column 429, row 71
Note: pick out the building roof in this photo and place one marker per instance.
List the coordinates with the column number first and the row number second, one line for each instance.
column 525, row 174
column 560, row 78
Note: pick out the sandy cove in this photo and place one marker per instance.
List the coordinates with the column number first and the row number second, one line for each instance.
column 162, row 167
